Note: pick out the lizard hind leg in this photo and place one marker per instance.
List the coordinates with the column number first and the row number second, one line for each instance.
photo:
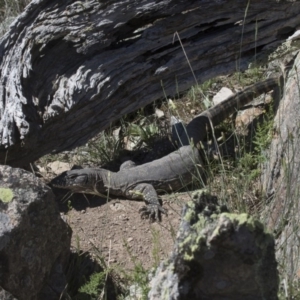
column 147, row 192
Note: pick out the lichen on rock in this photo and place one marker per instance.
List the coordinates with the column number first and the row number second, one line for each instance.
column 218, row 255
column 34, row 240
column 6, row 195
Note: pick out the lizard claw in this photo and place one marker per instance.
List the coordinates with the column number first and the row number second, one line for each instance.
column 152, row 212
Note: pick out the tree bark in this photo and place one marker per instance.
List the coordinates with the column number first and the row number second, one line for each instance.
column 69, row 69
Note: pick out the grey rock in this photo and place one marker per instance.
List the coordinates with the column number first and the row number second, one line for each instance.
column 34, row 240
column 5, row 295
column 280, row 177
column 217, row 256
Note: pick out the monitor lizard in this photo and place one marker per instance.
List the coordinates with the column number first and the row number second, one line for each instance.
column 169, row 173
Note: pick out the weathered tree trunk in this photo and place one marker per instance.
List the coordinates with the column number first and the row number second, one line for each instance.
column 69, row 68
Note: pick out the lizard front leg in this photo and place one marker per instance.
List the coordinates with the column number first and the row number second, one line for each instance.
column 147, row 192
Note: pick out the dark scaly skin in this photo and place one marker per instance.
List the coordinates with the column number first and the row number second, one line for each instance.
column 197, row 129
column 167, row 174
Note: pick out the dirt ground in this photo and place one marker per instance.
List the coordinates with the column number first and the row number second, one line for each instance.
column 116, row 231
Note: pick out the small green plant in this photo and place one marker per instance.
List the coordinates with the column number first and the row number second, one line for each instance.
column 89, row 277
column 69, row 203
column 197, row 94
column 105, row 147
column 248, row 165
column 248, row 77
column 145, row 133
column 264, row 133
column 94, row 286
column 140, row 278
column 156, row 247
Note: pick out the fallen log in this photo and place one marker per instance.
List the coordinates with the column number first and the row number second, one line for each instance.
column 68, row 69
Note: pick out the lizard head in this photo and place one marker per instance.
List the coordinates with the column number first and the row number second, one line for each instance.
column 79, row 181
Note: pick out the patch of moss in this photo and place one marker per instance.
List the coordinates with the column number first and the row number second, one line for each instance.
column 6, row 195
